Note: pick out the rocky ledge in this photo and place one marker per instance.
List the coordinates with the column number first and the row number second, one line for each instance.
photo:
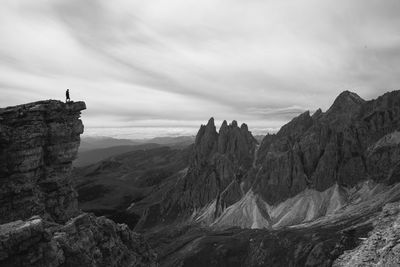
column 38, row 142
column 41, row 222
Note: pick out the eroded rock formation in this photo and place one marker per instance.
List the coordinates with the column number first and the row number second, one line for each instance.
column 41, row 222
column 219, row 163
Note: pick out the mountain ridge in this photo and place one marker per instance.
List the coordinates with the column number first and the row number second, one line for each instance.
column 310, row 152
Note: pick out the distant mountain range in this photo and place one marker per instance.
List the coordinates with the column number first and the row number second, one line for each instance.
column 91, row 156
column 95, row 149
column 97, row 142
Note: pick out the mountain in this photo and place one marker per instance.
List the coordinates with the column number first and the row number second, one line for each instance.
column 316, row 187
column 41, row 224
column 354, row 141
column 329, row 148
column 217, row 165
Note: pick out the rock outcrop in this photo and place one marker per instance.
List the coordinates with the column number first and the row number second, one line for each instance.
column 381, row 247
column 38, row 143
column 219, row 163
column 85, row 240
column 41, row 222
column 218, row 166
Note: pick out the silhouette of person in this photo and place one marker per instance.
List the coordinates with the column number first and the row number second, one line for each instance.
column 67, row 99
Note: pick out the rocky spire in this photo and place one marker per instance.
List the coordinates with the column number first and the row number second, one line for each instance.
column 218, row 163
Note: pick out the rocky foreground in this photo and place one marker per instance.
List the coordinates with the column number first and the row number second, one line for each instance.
column 41, row 222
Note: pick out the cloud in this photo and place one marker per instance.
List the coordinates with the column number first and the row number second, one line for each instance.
column 176, row 63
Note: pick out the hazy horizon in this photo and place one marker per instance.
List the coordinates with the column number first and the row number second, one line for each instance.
column 155, row 66
column 152, row 132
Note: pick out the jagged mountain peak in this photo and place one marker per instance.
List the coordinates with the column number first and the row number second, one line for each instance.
column 211, row 122
column 317, row 113
column 233, row 125
column 244, row 127
column 315, row 152
column 346, row 102
column 219, row 160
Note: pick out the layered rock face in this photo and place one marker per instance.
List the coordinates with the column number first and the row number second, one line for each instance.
column 219, row 163
column 338, row 146
column 38, row 143
column 41, row 222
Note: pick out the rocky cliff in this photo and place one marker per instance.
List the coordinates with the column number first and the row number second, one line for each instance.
column 41, row 222
column 38, row 143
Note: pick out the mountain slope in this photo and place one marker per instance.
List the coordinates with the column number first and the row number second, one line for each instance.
column 110, row 186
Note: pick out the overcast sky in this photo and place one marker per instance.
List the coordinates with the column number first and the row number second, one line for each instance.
column 173, row 64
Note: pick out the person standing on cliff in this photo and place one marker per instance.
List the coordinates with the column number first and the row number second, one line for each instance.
column 67, row 99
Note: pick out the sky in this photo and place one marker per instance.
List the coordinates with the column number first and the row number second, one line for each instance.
column 157, row 68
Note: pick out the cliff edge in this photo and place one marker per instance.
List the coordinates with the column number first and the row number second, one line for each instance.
column 38, row 142
column 41, row 222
